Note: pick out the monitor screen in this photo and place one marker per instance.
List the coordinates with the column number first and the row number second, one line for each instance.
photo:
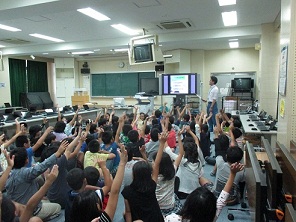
column 143, row 53
column 179, row 84
column 242, row 84
column 149, row 86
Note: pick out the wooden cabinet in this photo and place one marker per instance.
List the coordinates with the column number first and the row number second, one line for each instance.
column 80, row 100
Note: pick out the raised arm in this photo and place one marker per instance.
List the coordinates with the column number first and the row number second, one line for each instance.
column 98, row 117
column 42, row 138
column 71, row 123
column 37, row 197
column 111, row 116
column 12, row 140
column 188, row 130
column 218, row 125
column 107, row 177
column 10, row 163
column 181, row 149
column 119, row 129
column 77, row 143
column 221, row 202
column 115, row 188
column 233, row 141
column 183, row 111
column 162, row 139
column 144, row 127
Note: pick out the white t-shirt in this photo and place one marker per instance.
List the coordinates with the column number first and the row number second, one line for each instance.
column 213, row 93
column 165, row 192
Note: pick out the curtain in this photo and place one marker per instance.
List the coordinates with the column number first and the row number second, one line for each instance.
column 37, row 76
column 17, row 74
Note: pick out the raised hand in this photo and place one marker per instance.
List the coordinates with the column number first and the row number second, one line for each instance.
column 51, row 176
column 10, row 161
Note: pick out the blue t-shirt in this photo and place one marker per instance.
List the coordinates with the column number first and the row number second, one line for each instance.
column 112, row 149
column 30, row 154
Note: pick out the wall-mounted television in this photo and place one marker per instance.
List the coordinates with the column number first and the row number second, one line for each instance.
column 143, row 53
column 149, row 86
column 179, row 84
column 242, row 84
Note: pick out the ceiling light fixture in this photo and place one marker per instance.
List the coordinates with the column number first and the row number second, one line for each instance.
column 93, row 14
column 233, row 45
column 82, row 52
column 2, row 46
column 227, row 2
column 119, row 50
column 167, row 56
column 32, row 57
column 9, row 28
column 229, row 18
column 40, row 36
column 125, row 29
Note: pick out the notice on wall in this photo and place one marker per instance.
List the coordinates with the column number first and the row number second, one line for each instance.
column 283, row 70
column 282, row 108
column 86, row 83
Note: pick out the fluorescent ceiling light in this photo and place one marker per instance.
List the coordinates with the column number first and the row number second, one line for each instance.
column 2, row 46
column 125, row 29
column 46, row 37
column 119, row 50
column 226, row 2
column 94, row 14
column 9, row 28
column 233, row 45
column 229, row 18
column 81, row 53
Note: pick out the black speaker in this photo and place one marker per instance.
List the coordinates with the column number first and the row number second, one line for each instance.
column 252, row 83
column 85, row 71
column 159, row 68
column 232, row 83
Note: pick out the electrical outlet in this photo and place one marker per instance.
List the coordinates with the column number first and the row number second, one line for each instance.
column 2, row 84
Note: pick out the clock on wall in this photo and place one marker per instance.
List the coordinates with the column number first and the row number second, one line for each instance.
column 121, row 64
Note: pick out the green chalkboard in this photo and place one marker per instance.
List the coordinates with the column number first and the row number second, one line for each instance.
column 117, row 84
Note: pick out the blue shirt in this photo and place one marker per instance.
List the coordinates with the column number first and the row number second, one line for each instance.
column 30, row 154
column 112, row 149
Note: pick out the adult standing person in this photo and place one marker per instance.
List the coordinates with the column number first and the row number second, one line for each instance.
column 212, row 102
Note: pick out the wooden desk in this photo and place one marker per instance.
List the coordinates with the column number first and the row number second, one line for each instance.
column 271, row 135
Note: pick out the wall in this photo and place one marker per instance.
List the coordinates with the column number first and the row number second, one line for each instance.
column 269, row 69
column 228, row 61
column 5, row 95
column 111, row 65
column 287, row 123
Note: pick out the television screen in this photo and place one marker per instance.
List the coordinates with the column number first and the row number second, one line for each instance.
column 242, row 84
column 175, row 84
column 149, row 86
column 143, row 53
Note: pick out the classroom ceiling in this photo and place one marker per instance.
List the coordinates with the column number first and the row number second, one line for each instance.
column 60, row 19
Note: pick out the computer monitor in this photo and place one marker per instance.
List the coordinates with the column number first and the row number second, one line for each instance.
column 119, row 102
column 274, row 176
column 7, row 105
column 256, row 186
column 288, row 166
